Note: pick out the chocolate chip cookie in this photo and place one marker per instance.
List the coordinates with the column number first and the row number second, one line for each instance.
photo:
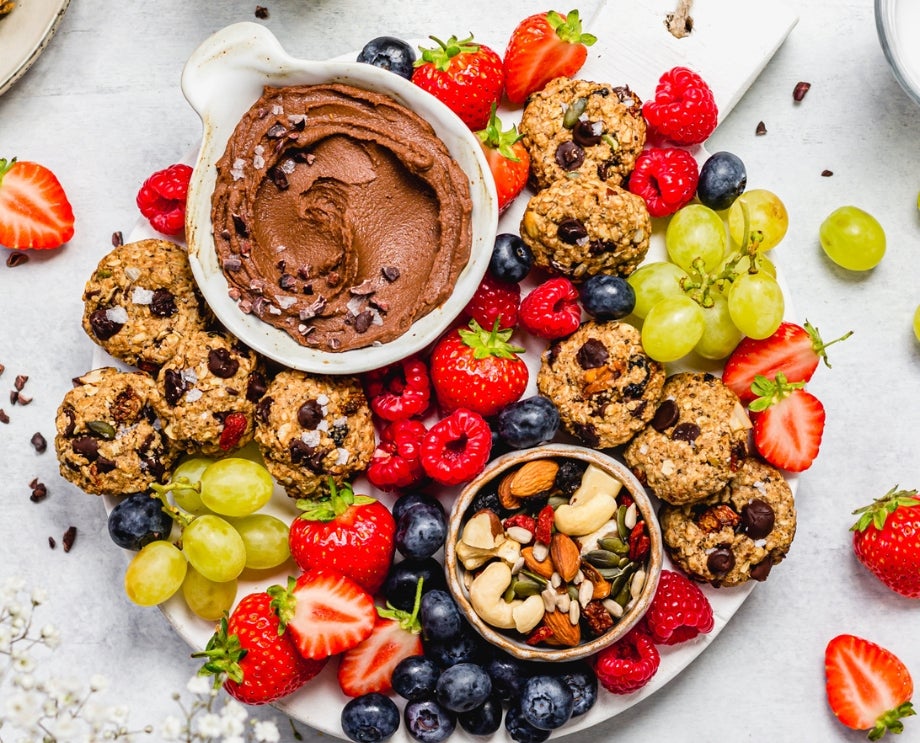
column 208, row 391
column 737, row 534
column 694, row 443
column 312, row 427
column 582, row 128
column 109, row 440
column 605, row 386
column 582, row 226
column 141, row 301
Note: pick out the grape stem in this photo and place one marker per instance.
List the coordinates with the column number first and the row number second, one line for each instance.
column 183, row 518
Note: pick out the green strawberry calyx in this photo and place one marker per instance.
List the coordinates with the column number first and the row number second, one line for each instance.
column 5, row 166
column 339, row 500
column 486, row 343
column 495, row 139
column 819, row 345
column 568, row 28
column 283, row 602
column 771, row 391
column 408, row 620
column 441, row 55
column 877, row 512
column 223, row 653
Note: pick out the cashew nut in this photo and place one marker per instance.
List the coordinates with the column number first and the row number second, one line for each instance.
column 486, row 596
column 592, row 504
column 506, row 550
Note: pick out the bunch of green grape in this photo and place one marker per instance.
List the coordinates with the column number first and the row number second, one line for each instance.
column 217, row 504
column 718, row 285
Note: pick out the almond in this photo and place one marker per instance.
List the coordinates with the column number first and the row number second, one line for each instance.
column 533, row 478
column 543, row 568
column 564, row 632
column 600, row 583
column 509, row 501
column 565, row 556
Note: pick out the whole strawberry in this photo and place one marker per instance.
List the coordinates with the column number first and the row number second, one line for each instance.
column 683, row 110
column 478, row 370
column 466, row 76
column 161, row 198
column 885, row 540
column 258, row 662
column 348, row 533
column 508, row 159
column 679, row 610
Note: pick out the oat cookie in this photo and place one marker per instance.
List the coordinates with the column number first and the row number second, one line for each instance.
column 109, row 440
column 581, row 227
column 591, row 129
column 694, row 443
column 605, row 386
column 737, row 534
column 141, row 301
column 310, row 427
column 208, row 392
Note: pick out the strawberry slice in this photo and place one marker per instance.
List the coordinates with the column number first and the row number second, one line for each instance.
column 795, row 350
column 788, row 422
column 868, row 687
column 324, row 612
column 34, row 210
column 368, row 667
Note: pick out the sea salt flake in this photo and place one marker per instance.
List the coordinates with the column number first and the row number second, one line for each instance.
column 322, row 399
column 342, row 456
column 297, row 118
column 238, row 169
column 133, row 273
column 117, row 315
column 189, row 376
column 141, row 295
column 323, row 425
column 310, row 438
column 286, row 303
column 258, row 159
column 193, row 395
column 277, row 109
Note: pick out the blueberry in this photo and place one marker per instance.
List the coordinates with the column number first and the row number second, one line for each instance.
column 484, row 719
column 439, row 616
column 420, row 531
column 582, row 680
column 520, row 729
column 370, row 718
column 511, row 258
column 466, row 647
column 391, row 54
column 606, row 297
column 723, row 179
column 528, row 422
column 546, row 702
column 429, row 722
column 411, row 499
column 415, row 677
column 488, row 498
column 402, row 580
column 463, row 687
column 508, row 676
column 138, row 520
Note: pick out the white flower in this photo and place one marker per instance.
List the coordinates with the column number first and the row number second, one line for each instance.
column 50, row 636
column 231, row 727
column 98, row 682
column 14, row 608
column 25, row 681
column 119, row 714
column 234, row 739
column 199, row 685
column 22, row 662
column 266, row 731
column 208, row 725
column 12, row 586
column 171, row 728
column 233, row 710
column 65, row 727
column 23, row 709
column 6, row 638
column 39, row 596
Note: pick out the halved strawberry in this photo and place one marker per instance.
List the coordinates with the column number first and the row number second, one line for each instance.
column 868, row 687
column 34, row 210
column 788, row 422
column 508, row 159
column 324, row 612
column 795, row 350
column 544, row 46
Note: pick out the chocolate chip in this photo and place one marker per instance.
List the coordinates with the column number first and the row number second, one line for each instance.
column 665, row 416
column 685, row 432
column 39, row 443
column 221, row 363
column 173, row 387
column 571, row 231
column 69, row 414
column 587, row 433
column 256, row 386
column 279, row 178
column 761, row 570
column 592, row 354
column 239, row 225
column 587, row 133
column 757, row 518
column 363, row 321
column 104, row 465
column 103, row 327
column 87, row 447
column 264, row 408
column 302, row 453
column 569, row 156
column 163, row 303
column 310, row 414
column 720, row 561
column 70, row 536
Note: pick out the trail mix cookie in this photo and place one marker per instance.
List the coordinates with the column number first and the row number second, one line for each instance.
column 141, row 301
column 737, row 534
column 581, row 127
column 605, row 386
column 581, row 227
column 310, row 427
column 694, row 443
column 208, row 392
column 109, row 440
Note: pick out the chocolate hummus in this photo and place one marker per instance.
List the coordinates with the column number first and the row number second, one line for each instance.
column 339, row 215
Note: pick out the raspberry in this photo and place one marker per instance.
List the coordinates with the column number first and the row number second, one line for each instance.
column 397, row 463
column 679, row 611
column 161, row 198
column 628, row 664
column 399, row 390
column 683, row 109
column 495, row 299
column 551, row 310
column 666, row 178
column 457, row 447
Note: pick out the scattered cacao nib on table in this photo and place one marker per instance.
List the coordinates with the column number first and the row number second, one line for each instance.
column 39, row 442
column 117, row 239
column 761, row 129
column 16, row 258
column 261, row 12
column 4, row 418
column 70, row 536
column 39, row 491
column 827, row 173
column 798, row 93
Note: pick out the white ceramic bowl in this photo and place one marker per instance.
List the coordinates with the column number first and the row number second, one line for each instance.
column 896, row 22
column 221, row 81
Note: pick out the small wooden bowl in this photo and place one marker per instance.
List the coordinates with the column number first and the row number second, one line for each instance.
column 506, row 639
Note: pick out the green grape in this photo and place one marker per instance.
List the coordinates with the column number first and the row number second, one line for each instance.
column 696, row 231
column 720, row 335
column 766, row 214
column 189, row 499
column 672, row 328
column 917, row 322
column 853, row 239
column 235, row 486
column 209, row 600
column 214, row 548
column 756, row 304
column 654, row 282
column 155, row 573
column 266, row 540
